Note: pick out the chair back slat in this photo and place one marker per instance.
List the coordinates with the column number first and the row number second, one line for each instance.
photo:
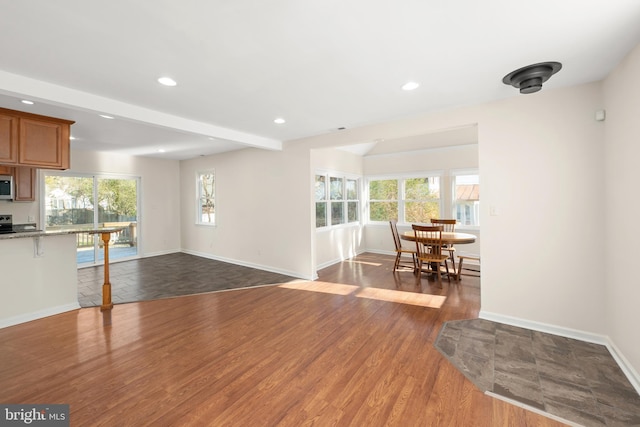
column 448, row 225
column 428, row 239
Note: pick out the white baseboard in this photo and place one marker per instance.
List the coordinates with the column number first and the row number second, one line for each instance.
column 380, row 252
column 28, row 317
column 627, row 369
column 246, row 264
column 159, row 253
column 335, row 261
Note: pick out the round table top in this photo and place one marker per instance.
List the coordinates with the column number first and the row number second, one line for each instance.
column 448, row 237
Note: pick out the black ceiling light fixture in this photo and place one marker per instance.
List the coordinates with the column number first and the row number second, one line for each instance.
column 529, row 79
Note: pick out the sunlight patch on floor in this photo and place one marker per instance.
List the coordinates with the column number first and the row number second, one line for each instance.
column 352, row 261
column 412, row 298
column 389, row 295
column 325, row 287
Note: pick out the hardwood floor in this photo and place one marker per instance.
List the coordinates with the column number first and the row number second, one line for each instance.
column 286, row 356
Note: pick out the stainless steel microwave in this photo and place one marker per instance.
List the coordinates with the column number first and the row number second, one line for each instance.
column 6, row 187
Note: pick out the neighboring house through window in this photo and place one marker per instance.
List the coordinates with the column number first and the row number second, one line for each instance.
column 466, row 206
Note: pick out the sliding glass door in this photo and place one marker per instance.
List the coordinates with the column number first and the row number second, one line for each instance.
column 93, row 201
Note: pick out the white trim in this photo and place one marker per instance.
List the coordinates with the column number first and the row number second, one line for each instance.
column 28, row 317
column 622, row 362
column 246, row 264
column 422, row 150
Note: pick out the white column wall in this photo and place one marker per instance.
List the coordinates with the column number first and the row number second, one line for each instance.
column 336, row 244
column 622, row 136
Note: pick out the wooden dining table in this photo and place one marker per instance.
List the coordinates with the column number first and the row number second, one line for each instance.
column 448, row 238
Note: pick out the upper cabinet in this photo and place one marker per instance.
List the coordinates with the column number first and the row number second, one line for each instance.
column 8, row 139
column 32, row 140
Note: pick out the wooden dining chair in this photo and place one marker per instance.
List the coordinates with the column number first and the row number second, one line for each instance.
column 448, row 225
column 429, row 249
column 472, row 269
column 400, row 250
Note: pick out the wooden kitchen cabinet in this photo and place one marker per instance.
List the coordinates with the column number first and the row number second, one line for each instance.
column 24, row 179
column 36, row 141
column 24, row 182
column 8, row 139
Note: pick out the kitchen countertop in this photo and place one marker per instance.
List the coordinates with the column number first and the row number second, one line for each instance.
column 40, row 233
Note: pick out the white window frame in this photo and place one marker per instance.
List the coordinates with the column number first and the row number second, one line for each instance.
column 461, row 172
column 199, row 197
column 401, row 178
column 344, row 200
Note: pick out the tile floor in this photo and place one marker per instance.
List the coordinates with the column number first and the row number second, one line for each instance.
column 574, row 380
column 168, row 276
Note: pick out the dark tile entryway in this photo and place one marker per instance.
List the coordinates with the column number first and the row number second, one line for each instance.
column 574, row 380
column 168, row 276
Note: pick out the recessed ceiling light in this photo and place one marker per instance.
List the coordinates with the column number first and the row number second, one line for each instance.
column 161, row 150
column 167, row 81
column 26, row 101
column 71, row 137
column 410, row 86
column 279, row 120
column 104, row 116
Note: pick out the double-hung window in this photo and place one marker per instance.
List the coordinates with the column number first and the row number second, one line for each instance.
column 466, row 200
column 407, row 199
column 337, row 199
column 205, row 210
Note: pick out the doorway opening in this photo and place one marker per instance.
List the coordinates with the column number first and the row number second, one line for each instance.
column 94, row 201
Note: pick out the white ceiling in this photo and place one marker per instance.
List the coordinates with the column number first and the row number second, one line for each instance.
column 321, row 65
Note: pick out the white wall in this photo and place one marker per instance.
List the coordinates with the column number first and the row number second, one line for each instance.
column 159, row 225
column 263, row 210
column 622, row 136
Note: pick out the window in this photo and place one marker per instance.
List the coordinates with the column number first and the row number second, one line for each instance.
column 74, row 201
column 466, row 200
column 352, row 200
column 206, row 198
column 338, row 202
column 321, row 197
column 383, row 199
column 336, row 193
column 421, row 199
column 410, row 200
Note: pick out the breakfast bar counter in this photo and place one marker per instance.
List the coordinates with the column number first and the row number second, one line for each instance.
column 40, row 276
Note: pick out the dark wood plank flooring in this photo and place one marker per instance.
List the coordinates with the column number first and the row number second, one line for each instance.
column 264, row 356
